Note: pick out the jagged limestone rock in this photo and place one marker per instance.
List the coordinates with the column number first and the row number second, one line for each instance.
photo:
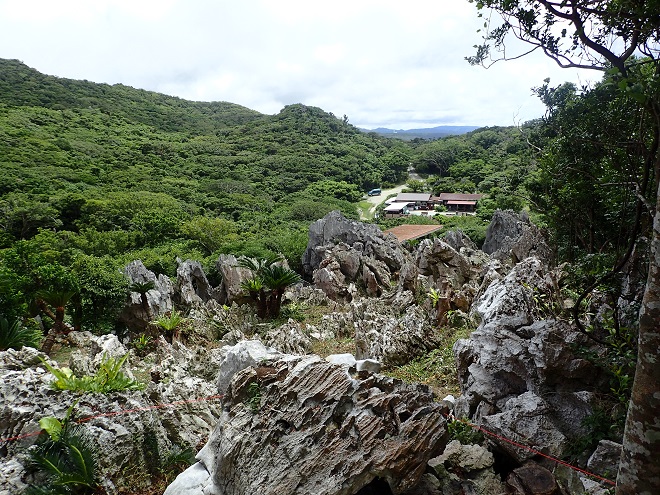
column 126, row 442
column 368, row 239
column 389, row 337
column 233, row 276
column 159, row 299
column 466, row 469
column 300, row 425
column 511, row 237
column 192, row 288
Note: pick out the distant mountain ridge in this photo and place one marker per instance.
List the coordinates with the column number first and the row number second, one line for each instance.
column 424, row 132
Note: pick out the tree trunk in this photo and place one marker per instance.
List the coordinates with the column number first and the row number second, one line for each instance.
column 639, row 471
column 49, row 340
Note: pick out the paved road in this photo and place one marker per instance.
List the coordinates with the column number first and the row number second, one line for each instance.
column 376, row 200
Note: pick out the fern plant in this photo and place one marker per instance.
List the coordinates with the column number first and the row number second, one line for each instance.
column 65, row 457
column 108, row 378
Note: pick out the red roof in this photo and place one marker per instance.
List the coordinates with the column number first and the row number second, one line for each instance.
column 459, row 197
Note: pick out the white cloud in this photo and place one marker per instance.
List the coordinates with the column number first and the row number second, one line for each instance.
column 381, row 62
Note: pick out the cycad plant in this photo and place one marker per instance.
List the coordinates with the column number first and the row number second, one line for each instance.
column 57, row 299
column 14, row 336
column 268, row 282
column 170, row 322
column 66, row 459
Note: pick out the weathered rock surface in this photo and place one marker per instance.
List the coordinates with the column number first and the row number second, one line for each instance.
column 159, row 299
column 233, row 276
column 605, row 459
column 125, row 442
column 367, row 239
column 341, row 252
column 520, row 377
column 466, row 469
column 510, row 302
column 313, row 428
column 511, row 237
column 532, row 479
column 192, row 288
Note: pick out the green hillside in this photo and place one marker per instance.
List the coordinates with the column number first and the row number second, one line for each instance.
column 94, row 176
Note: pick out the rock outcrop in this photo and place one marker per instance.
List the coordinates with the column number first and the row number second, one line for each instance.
column 129, row 446
column 192, row 288
column 520, row 377
column 301, row 425
column 135, row 314
column 511, row 237
column 233, row 276
column 341, row 252
column 466, row 469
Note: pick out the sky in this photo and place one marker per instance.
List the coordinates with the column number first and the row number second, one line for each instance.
column 397, row 64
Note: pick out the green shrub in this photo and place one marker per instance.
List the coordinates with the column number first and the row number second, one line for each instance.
column 14, row 336
column 108, row 378
column 65, row 458
column 464, row 432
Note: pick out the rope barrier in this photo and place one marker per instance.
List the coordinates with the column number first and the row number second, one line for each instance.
column 530, row 449
column 219, row 396
column 121, row 412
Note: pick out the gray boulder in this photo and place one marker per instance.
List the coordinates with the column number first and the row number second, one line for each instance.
column 159, row 299
column 240, row 356
column 300, row 425
column 605, row 459
column 233, row 276
column 466, row 469
column 511, row 237
column 192, row 288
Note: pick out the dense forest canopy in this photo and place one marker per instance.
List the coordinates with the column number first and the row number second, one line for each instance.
column 96, row 175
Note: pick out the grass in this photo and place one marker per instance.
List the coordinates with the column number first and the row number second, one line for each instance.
column 364, row 209
column 436, row 368
column 326, row 347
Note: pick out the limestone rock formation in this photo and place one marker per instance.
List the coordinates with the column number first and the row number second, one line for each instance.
column 511, row 237
column 159, row 299
column 192, row 288
column 230, row 290
column 367, row 239
column 301, row 425
column 341, row 251
column 522, row 378
column 466, row 469
column 126, row 443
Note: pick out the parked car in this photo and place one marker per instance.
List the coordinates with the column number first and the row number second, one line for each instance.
column 374, row 192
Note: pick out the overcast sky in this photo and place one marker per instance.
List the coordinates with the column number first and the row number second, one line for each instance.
column 397, row 64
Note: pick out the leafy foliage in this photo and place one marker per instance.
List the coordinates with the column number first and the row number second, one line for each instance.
column 14, row 336
column 108, row 378
column 67, row 458
column 267, row 284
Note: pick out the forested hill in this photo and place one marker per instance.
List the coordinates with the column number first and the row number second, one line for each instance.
column 94, row 176
column 22, row 86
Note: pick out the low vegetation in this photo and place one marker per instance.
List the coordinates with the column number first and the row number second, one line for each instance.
column 436, row 368
column 108, row 378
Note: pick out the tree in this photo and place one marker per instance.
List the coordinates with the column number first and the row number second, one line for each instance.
column 59, row 300
column 607, row 35
column 268, row 282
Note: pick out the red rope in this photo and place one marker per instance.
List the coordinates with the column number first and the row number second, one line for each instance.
column 214, row 397
column 120, row 412
column 525, row 447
